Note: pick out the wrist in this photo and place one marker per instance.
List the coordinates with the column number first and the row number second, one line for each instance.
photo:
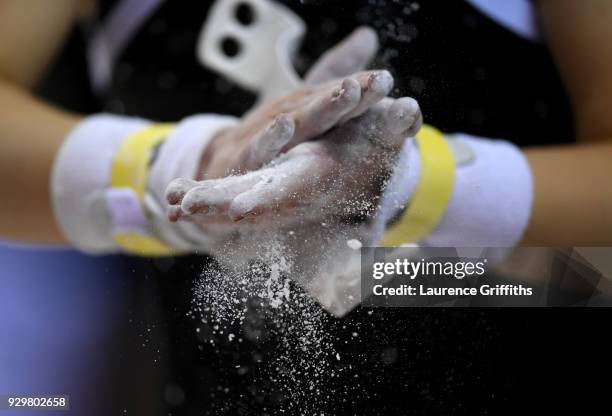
column 81, row 175
column 109, row 180
column 492, row 198
column 489, row 202
column 181, row 156
column 428, row 185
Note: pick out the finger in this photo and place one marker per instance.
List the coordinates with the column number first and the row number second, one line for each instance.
column 376, row 86
column 325, row 111
column 212, row 198
column 178, row 188
column 351, row 55
column 297, row 180
column 403, row 118
column 387, row 124
column 412, row 131
column 392, row 121
column 174, row 213
column 269, row 143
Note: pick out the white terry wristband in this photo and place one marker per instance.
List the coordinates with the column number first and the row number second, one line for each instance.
column 491, row 200
column 91, row 213
column 490, row 204
column 179, row 157
column 80, row 177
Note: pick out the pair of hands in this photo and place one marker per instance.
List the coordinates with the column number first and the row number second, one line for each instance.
column 338, row 142
column 286, row 184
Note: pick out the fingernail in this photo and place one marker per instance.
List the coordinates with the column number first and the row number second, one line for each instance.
column 174, row 213
column 348, row 85
column 348, row 90
column 381, row 81
column 172, row 198
column 337, row 93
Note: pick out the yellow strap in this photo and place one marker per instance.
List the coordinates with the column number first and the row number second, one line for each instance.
column 130, row 170
column 143, row 245
column 432, row 194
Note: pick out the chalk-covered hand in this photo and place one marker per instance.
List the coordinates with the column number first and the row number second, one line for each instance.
column 334, row 91
column 302, row 115
column 308, row 208
column 342, row 174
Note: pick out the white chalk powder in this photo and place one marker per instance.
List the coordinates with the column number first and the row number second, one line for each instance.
column 265, row 304
column 354, row 244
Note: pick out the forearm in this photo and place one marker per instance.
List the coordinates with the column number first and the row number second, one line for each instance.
column 573, row 200
column 31, row 32
column 573, row 197
column 31, row 132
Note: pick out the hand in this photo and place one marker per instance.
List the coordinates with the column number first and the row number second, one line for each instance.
column 271, row 127
column 341, row 173
column 296, row 212
column 302, row 115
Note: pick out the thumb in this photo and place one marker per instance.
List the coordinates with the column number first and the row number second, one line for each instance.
column 351, row 55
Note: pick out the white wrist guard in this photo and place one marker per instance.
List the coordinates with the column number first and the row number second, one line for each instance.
column 491, row 198
column 109, row 179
